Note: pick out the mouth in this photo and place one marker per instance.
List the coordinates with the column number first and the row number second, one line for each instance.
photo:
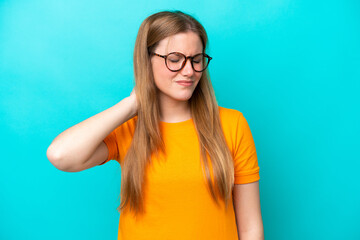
column 185, row 83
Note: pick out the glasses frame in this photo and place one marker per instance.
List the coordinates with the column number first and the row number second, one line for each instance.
column 184, row 62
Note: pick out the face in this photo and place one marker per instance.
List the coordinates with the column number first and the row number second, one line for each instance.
column 168, row 82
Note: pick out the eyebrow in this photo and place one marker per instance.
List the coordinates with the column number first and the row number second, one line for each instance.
column 184, row 53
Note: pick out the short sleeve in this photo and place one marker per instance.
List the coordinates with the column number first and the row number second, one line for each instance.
column 111, row 143
column 245, row 157
column 119, row 141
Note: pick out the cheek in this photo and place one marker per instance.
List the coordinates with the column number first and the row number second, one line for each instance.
column 165, row 74
column 198, row 76
column 162, row 75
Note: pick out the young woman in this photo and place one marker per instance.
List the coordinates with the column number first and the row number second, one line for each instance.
column 189, row 167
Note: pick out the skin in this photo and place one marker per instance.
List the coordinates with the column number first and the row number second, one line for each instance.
column 246, row 200
column 173, row 97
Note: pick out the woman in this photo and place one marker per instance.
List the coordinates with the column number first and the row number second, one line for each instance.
column 189, row 167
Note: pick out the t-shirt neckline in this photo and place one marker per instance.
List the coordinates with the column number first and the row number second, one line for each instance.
column 189, row 120
column 177, row 126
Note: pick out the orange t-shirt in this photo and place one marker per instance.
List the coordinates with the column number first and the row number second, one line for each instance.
column 177, row 202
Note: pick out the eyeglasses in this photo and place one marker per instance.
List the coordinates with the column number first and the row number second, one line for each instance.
column 176, row 61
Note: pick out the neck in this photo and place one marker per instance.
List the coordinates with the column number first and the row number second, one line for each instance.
column 174, row 111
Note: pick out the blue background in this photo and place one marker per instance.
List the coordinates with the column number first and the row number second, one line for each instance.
column 291, row 67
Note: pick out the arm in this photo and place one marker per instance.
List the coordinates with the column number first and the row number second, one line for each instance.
column 246, row 200
column 81, row 147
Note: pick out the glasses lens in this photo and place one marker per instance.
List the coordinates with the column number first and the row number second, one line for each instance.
column 200, row 62
column 174, row 61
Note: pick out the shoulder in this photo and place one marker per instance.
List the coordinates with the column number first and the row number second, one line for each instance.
column 228, row 115
column 233, row 123
column 127, row 128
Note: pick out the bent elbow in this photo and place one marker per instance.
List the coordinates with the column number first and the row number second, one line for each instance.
column 55, row 158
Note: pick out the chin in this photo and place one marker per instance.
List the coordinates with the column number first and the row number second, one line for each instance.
column 183, row 98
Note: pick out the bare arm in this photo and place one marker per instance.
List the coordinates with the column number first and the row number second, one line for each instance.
column 81, row 146
column 246, row 199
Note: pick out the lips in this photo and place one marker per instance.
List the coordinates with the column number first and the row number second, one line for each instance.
column 184, row 83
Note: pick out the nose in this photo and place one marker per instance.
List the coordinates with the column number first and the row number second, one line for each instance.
column 187, row 69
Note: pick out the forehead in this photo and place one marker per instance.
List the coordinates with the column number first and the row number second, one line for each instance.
column 188, row 43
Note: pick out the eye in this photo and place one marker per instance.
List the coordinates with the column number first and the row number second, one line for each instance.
column 198, row 59
column 174, row 58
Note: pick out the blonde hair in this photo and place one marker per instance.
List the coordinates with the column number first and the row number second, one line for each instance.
column 204, row 111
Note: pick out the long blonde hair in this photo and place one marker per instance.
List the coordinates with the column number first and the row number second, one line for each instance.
column 204, row 111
